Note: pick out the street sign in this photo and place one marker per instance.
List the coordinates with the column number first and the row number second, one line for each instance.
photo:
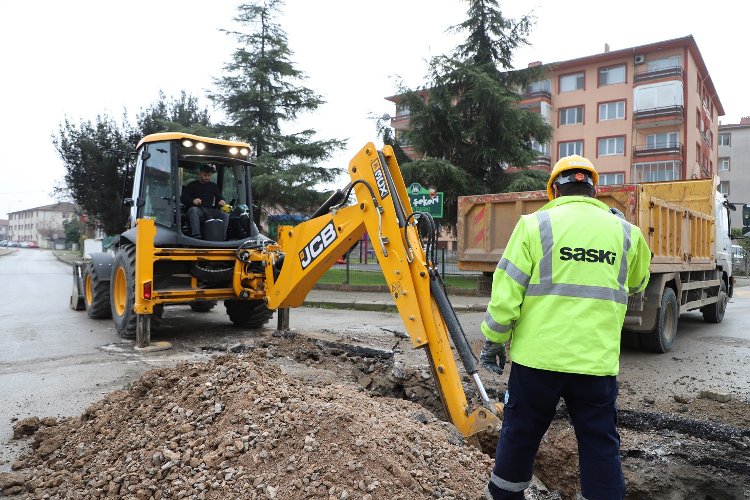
column 426, row 200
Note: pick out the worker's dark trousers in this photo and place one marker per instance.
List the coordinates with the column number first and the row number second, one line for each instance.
column 532, row 400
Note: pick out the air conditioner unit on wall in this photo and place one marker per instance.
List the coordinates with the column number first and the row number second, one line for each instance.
column 639, row 59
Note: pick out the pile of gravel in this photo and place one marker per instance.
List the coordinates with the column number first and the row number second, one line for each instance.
column 237, row 427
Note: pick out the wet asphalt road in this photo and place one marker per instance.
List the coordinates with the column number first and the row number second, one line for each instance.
column 55, row 361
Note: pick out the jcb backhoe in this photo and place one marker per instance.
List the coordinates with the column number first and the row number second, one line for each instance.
column 156, row 263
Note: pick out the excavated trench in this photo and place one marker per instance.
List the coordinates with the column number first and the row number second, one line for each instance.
column 665, row 455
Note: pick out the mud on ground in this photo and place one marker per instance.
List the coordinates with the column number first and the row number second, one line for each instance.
column 294, row 417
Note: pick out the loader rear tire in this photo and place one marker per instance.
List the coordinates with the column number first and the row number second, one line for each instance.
column 95, row 293
column 123, row 294
column 202, row 306
column 248, row 313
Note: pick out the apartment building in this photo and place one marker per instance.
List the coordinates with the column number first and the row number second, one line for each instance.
column 41, row 224
column 733, row 164
column 646, row 113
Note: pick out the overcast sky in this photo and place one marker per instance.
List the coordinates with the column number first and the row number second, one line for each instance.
column 78, row 58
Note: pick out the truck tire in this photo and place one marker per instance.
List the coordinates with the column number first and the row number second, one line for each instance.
column 714, row 313
column 202, row 305
column 95, row 293
column 123, row 294
column 662, row 337
column 248, row 313
column 77, row 300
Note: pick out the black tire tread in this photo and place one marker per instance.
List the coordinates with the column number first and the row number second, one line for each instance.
column 654, row 340
column 248, row 313
column 126, row 326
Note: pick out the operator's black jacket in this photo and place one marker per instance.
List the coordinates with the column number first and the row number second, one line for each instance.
column 209, row 194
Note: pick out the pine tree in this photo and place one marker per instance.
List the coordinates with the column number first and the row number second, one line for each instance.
column 259, row 93
column 470, row 119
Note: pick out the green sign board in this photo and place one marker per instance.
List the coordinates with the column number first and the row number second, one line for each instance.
column 426, row 200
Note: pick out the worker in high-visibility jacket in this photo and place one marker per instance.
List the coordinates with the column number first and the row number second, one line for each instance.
column 559, row 295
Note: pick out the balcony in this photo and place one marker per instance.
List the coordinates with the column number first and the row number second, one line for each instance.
column 671, row 150
column 658, row 117
column 674, row 73
column 537, row 94
column 543, row 160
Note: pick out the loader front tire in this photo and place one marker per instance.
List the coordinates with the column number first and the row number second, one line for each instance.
column 248, row 313
column 95, row 293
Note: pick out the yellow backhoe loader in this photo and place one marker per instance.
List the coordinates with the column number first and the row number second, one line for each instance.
column 156, row 263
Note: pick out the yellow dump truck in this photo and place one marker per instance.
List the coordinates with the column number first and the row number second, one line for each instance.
column 685, row 223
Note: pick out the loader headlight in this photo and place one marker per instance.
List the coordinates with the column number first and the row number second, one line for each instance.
column 234, row 151
column 244, row 151
column 187, row 143
column 200, row 146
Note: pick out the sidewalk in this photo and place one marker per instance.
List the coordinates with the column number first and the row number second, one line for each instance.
column 382, row 301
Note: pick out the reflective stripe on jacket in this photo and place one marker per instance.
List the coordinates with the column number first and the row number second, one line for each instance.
column 561, row 289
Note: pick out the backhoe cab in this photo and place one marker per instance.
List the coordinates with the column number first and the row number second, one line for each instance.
column 156, row 264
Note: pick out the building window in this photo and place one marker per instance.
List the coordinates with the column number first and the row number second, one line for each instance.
column 570, row 116
column 723, row 164
column 664, row 63
column 724, row 188
column 725, row 139
column 569, row 83
column 662, row 140
column 609, row 146
column 570, row 148
column 657, row 171
column 609, row 179
column 612, row 110
column 542, row 149
column 612, row 75
column 402, row 110
column 540, row 86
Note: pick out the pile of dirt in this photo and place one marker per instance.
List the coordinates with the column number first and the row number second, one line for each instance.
column 238, row 427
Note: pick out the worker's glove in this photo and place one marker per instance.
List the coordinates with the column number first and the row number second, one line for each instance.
column 492, row 357
column 617, row 213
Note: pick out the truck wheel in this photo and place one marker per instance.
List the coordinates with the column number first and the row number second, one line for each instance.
column 714, row 313
column 248, row 313
column 202, row 306
column 95, row 293
column 77, row 300
column 662, row 337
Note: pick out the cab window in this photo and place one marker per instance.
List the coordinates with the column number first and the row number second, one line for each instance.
column 157, row 192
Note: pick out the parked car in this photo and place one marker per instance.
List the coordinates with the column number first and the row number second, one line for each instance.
column 24, row 244
column 4, row 243
column 33, row 244
column 12, row 244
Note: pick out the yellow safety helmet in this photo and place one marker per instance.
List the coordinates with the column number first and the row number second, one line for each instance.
column 572, row 162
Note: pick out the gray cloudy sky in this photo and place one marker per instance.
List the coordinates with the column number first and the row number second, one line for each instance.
column 79, row 58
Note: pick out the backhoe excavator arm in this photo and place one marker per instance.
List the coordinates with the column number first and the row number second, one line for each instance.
column 305, row 252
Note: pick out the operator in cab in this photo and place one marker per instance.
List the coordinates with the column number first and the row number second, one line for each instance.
column 203, row 199
column 559, row 295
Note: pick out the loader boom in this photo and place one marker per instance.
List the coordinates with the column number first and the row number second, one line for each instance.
column 384, row 211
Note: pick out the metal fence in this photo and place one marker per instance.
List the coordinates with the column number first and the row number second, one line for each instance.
column 360, row 267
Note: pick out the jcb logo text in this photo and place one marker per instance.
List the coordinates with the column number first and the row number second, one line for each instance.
column 587, row 255
column 316, row 246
